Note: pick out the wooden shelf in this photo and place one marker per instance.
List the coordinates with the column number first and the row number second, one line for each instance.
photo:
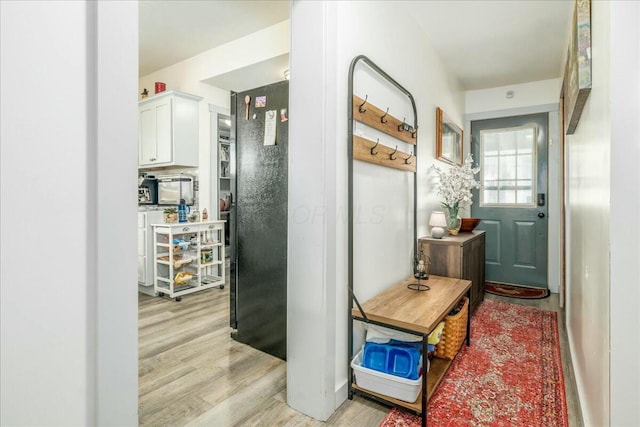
column 371, row 117
column 401, row 308
column 420, row 312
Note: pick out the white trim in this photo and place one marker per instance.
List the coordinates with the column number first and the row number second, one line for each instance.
column 341, row 394
column 214, row 110
column 115, row 169
column 311, row 248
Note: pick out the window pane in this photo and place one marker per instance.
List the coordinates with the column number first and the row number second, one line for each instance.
column 525, row 191
column 507, row 143
column 525, row 197
column 507, row 192
column 489, row 142
column 490, row 168
column 507, row 196
column 490, row 185
column 490, row 196
column 525, row 185
column 507, row 168
column 525, row 141
column 525, row 166
column 507, row 185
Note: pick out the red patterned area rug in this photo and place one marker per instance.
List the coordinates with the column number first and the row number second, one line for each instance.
column 514, row 291
column 511, row 375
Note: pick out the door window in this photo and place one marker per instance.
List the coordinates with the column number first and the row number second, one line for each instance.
column 508, row 166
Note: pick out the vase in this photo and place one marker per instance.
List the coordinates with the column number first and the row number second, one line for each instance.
column 453, row 221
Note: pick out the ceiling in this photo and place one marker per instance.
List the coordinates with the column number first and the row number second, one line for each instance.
column 174, row 30
column 486, row 43
column 490, row 43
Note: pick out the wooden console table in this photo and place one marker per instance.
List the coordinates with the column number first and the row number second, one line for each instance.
column 418, row 313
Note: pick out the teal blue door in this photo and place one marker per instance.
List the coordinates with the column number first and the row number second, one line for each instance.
column 512, row 200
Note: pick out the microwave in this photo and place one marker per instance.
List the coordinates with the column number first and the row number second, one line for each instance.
column 172, row 188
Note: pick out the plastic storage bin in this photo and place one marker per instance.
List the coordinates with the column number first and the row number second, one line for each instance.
column 403, row 361
column 375, row 356
column 394, row 386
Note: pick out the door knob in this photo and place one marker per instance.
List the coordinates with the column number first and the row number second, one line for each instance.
column 540, row 214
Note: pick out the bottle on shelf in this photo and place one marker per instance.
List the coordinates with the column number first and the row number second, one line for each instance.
column 183, row 211
column 205, row 214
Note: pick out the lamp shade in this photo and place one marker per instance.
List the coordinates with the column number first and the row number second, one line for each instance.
column 437, row 219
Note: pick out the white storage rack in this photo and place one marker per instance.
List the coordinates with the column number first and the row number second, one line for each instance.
column 201, row 256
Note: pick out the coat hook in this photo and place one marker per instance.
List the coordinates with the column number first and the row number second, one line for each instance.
column 407, row 160
column 382, row 119
column 403, row 125
column 373, row 153
column 391, row 156
column 361, row 107
column 414, row 133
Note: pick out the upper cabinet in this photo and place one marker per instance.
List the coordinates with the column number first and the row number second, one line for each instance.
column 168, row 130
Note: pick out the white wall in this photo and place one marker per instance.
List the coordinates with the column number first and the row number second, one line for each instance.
column 529, row 98
column 588, row 153
column 524, row 95
column 317, row 298
column 68, row 305
column 188, row 76
column 44, row 347
column 625, row 210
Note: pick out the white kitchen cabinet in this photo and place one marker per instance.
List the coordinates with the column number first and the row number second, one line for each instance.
column 188, row 257
column 168, row 130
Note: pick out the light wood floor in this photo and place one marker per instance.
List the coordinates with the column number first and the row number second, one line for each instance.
column 191, row 373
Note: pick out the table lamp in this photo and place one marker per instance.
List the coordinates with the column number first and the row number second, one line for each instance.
column 437, row 221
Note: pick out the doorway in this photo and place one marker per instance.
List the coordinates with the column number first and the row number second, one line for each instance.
column 512, row 200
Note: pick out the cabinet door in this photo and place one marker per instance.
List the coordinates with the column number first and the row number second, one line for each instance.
column 446, row 260
column 147, row 135
column 164, row 132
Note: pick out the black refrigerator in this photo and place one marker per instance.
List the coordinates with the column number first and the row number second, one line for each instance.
column 259, row 133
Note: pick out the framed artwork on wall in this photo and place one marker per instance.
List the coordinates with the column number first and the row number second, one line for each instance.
column 577, row 73
column 448, row 139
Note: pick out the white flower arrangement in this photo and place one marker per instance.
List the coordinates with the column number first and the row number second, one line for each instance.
column 455, row 186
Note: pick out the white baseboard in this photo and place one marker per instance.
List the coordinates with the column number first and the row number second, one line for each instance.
column 341, row 394
column 586, row 421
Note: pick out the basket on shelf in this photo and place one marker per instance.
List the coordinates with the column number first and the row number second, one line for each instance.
column 182, row 279
column 454, row 333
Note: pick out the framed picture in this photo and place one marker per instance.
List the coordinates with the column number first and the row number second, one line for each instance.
column 577, row 73
column 448, row 139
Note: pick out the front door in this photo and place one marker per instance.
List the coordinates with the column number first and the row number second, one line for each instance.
column 512, row 200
